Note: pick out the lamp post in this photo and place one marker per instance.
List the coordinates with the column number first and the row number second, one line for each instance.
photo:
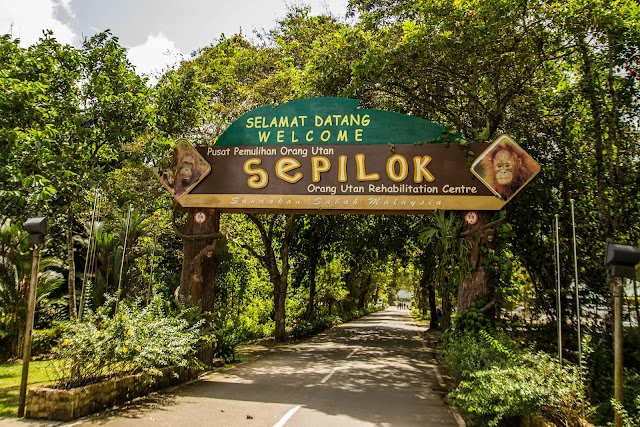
column 621, row 260
column 558, row 291
column 37, row 229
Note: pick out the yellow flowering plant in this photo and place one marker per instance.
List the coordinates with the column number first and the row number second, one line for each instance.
column 138, row 338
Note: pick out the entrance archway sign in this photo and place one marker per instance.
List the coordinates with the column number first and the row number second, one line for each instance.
column 327, row 155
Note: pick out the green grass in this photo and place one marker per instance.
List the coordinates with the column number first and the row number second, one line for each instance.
column 10, row 377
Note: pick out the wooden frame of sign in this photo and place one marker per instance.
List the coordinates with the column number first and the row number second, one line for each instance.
column 326, row 155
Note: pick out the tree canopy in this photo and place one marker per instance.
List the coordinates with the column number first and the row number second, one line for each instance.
column 560, row 77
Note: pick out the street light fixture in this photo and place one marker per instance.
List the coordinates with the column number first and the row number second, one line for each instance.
column 621, row 260
column 37, row 229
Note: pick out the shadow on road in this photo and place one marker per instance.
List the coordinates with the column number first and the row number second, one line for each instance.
column 375, row 370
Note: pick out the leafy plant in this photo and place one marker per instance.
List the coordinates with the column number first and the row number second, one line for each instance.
column 536, row 384
column 501, row 382
column 468, row 353
column 450, row 254
column 471, row 321
column 307, row 328
column 226, row 346
column 136, row 338
column 628, row 420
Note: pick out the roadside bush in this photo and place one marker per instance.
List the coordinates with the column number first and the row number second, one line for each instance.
column 501, row 382
column 358, row 313
column 305, row 328
column 467, row 353
column 226, row 346
column 630, row 411
column 43, row 340
column 137, row 338
column 599, row 366
column 471, row 321
column 628, row 420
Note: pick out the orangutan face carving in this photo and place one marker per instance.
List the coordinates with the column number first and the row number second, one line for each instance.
column 187, row 168
column 505, row 168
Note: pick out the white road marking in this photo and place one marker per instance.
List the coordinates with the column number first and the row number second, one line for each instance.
column 286, row 417
column 352, row 353
column 326, row 378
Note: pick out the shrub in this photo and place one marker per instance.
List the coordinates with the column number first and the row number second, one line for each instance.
column 305, row 329
column 226, row 346
column 630, row 411
column 467, row 353
column 628, row 420
column 137, row 338
column 471, row 321
column 43, row 340
column 501, row 382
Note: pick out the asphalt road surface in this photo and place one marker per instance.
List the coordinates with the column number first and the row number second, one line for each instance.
column 375, row 371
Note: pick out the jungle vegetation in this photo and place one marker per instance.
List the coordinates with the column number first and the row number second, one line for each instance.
column 79, row 127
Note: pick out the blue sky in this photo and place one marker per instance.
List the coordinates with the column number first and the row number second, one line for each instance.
column 157, row 33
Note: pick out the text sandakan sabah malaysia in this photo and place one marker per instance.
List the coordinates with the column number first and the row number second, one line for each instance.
column 328, row 154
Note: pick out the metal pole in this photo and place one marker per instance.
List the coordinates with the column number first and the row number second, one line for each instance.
column 575, row 269
column 92, row 256
column 31, row 308
column 558, row 289
column 617, row 347
column 86, row 261
column 124, row 250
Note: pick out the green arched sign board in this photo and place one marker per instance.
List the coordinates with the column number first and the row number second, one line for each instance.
column 328, row 155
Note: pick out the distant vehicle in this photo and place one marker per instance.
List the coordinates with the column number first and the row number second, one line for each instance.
column 600, row 314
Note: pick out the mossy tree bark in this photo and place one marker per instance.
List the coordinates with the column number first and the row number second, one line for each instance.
column 199, row 265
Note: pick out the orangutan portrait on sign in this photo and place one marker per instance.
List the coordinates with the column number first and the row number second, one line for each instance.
column 505, row 168
column 187, row 168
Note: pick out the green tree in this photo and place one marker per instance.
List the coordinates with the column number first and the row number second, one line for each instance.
column 77, row 108
column 451, row 252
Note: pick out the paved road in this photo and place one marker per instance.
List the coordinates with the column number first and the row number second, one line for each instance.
column 372, row 372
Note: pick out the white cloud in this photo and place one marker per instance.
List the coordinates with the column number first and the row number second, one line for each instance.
column 66, row 5
column 26, row 19
column 155, row 56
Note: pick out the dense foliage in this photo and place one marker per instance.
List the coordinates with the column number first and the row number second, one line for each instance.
column 78, row 129
column 136, row 338
column 502, row 382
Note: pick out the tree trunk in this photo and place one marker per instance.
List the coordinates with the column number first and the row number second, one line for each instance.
column 197, row 279
column 433, row 309
column 362, row 298
column 280, row 298
column 279, row 277
column 280, row 332
column 477, row 286
column 311, row 304
column 446, row 310
column 73, row 313
column 199, row 267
